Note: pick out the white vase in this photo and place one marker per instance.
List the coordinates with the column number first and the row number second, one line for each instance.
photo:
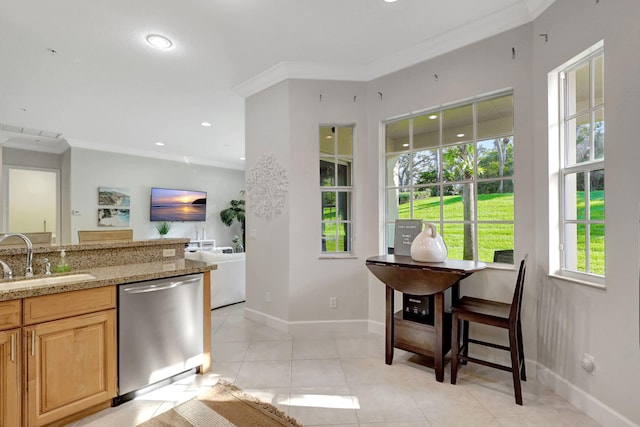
column 428, row 246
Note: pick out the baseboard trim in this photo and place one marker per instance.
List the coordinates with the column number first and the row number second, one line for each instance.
column 311, row 326
column 582, row 400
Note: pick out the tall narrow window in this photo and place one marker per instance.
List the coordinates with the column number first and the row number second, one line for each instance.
column 582, row 166
column 454, row 167
column 336, row 189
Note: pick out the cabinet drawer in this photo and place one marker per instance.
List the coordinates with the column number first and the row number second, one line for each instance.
column 10, row 314
column 67, row 304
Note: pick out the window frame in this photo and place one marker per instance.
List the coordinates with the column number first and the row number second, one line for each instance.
column 441, row 182
column 566, row 168
column 337, row 159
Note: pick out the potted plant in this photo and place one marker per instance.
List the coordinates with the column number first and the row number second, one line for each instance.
column 234, row 213
column 163, row 228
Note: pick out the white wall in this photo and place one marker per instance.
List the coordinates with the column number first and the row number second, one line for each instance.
column 92, row 169
column 573, row 318
column 268, row 252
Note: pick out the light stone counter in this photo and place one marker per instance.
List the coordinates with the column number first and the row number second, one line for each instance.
column 112, row 263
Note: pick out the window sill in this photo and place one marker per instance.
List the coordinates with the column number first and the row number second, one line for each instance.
column 578, row 281
column 337, row 256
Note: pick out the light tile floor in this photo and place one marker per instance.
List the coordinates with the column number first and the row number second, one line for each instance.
column 342, row 380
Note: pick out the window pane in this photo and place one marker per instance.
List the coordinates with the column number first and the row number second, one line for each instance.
column 457, row 124
column 578, row 89
column 398, row 170
column 495, row 157
column 495, row 200
column 344, row 172
column 425, row 167
column 574, row 196
column 344, row 205
column 426, row 131
column 329, row 212
column 397, row 136
column 459, row 202
column 458, row 162
column 344, row 237
column 495, row 117
column 460, row 240
column 598, row 72
column 327, row 142
column 598, row 133
column 398, row 205
column 492, row 238
column 345, row 141
column 596, row 249
column 579, row 139
column 426, row 204
column 574, row 250
column 327, row 173
column 390, row 232
column 596, row 195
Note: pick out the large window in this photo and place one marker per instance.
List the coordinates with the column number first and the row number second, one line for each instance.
column 581, row 171
column 336, row 159
column 454, row 167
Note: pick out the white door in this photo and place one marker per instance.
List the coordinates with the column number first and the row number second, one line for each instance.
column 32, row 200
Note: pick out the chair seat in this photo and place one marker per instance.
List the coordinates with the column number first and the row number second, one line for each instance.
column 482, row 307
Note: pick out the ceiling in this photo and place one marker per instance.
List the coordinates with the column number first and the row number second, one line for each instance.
column 80, row 72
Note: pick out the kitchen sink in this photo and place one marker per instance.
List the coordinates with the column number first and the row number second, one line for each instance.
column 46, row 281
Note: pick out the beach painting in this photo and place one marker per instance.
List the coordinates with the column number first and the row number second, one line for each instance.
column 112, row 196
column 178, row 205
column 113, row 217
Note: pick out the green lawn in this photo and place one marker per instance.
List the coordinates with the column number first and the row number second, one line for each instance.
column 491, row 237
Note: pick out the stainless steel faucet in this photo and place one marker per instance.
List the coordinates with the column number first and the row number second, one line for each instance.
column 6, row 270
column 29, row 270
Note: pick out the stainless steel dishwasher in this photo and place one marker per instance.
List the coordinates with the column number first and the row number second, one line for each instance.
column 160, row 325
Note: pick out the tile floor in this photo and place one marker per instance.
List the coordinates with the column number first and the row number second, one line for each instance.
column 342, row 380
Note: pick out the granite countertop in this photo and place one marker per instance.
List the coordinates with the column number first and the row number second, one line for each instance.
column 104, row 276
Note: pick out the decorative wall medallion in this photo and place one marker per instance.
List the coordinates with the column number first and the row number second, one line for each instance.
column 267, row 187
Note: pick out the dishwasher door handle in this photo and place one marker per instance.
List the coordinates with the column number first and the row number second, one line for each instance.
column 154, row 288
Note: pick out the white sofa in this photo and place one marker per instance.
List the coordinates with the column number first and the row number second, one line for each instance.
column 228, row 280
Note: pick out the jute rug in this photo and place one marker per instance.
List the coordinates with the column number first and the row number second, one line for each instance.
column 225, row 405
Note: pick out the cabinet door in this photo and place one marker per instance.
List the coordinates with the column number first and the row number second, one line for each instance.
column 71, row 366
column 10, row 388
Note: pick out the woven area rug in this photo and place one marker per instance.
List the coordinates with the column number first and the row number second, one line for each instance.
column 225, row 405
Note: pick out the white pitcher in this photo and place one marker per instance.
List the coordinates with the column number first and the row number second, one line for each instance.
column 428, row 246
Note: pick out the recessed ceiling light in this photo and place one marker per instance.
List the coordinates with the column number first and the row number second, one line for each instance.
column 205, row 124
column 433, row 116
column 328, row 137
column 159, row 42
column 390, row 1
column 460, row 135
column 241, row 158
column 160, row 144
column 405, row 145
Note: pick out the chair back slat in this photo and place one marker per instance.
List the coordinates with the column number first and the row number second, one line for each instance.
column 518, row 291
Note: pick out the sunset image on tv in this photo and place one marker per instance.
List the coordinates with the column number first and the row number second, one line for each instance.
column 178, row 205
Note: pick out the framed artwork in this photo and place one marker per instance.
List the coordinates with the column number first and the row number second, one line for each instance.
column 112, row 196
column 113, row 217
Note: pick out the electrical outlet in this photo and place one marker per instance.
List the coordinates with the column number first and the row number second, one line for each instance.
column 588, row 363
column 333, row 302
column 168, row 252
column 267, row 297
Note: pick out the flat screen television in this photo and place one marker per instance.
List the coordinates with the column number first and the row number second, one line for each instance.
column 169, row 204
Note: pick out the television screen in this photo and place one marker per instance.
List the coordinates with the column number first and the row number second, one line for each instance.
column 178, row 205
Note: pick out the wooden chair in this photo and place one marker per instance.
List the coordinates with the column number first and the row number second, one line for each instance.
column 97, row 236
column 42, row 238
column 492, row 313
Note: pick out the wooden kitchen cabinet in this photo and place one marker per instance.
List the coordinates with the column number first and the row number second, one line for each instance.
column 10, row 384
column 71, row 362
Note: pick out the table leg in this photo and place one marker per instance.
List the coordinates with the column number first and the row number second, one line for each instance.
column 439, row 326
column 389, row 327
